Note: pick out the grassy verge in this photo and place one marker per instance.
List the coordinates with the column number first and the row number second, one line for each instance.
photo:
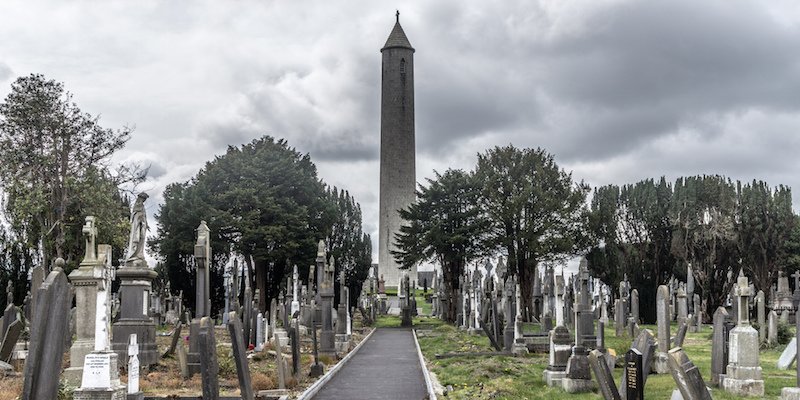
column 503, row 377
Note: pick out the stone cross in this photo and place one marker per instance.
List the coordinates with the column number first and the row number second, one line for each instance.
column 133, row 365
column 90, row 231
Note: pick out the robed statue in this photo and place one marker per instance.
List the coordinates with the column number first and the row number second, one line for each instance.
column 138, row 230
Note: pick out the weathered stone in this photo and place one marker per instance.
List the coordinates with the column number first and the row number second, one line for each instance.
column 772, row 330
column 761, row 316
column 619, row 318
column 560, row 349
column 743, row 375
column 687, row 376
column 176, row 336
column 603, row 376
column 788, row 355
column 681, row 335
column 10, row 340
column 209, row 367
column 645, row 344
column 663, row 318
column 240, row 356
column 719, row 352
column 635, row 306
column 43, row 364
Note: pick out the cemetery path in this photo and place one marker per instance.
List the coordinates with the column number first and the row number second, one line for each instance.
column 386, row 367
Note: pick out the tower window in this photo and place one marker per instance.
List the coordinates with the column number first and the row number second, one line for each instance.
column 403, row 66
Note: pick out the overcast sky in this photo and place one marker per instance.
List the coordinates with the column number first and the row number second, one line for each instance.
column 617, row 90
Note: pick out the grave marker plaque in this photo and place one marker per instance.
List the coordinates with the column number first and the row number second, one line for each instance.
column 634, row 375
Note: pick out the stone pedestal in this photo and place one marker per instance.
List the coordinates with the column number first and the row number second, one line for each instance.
column 743, row 375
column 133, row 319
column 560, row 349
column 84, row 281
column 100, row 380
column 193, row 356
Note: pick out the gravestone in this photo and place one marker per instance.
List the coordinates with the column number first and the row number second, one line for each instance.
column 559, row 289
column 578, row 378
column 176, row 336
column 687, row 376
column 133, row 370
column 100, row 374
column 10, row 340
column 240, row 356
column 136, row 279
column 793, row 393
column 560, row 348
column 683, row 306
column 519, row 346
column 259, row 332
column 743, row 375
column 202, row 257
column 43, row 363
column 85, row 280
column 634, row 375
column 772, row 330
column 645, row 344
column 605, row 380
column 280, row 365
column 327, row 336
column 788, row 355
column 619, row 318
column 719, row 351
column 663, row 316
column 183, row 361
column 761, row 316
column 209, row 366
column 635, row 306
column 681, row 335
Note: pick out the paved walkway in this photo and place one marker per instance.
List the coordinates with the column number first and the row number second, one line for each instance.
column 386, row 367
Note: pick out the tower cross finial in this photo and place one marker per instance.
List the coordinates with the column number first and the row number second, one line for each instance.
column 397, row 15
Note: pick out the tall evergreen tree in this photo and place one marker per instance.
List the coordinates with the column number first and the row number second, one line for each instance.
column 538, row 213
column 445, row 225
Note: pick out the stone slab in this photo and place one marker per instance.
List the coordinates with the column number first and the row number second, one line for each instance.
column 788, row 356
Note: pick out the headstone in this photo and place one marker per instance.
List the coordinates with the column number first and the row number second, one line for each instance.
column 719, row 352
column 683, row 306
column 10, row 340
column 259, row 332
column 133, row 367
column 645, row 344
column 743, row 375
column 176, row 336
column 634, row 375
column 280, row 364
column 578, row 378
column 761, row 316
column 240, row 356
column 605, row 380
column 560, row 349
column 635, row 306
column 788, row 355
column 327, row 335
column 183, row 361
column 43, row 363
column 663, row 318
column 619, row 318
column 209, row 367
column 772, row 329
column 681, row 335
column 793, row 393
column 687, row 376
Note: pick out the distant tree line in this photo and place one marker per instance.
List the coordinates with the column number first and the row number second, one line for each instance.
column 518, row 203
column 652, row 230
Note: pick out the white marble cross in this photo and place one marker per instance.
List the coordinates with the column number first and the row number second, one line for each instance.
column 133, row 365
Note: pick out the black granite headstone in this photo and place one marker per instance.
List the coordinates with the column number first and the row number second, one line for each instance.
column 634, row 375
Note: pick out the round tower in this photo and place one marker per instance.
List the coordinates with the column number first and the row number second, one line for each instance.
column 398, row 171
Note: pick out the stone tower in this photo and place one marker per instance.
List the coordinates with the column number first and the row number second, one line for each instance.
column 398, row 171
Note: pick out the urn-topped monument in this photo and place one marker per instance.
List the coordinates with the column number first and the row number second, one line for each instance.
column 136, row 284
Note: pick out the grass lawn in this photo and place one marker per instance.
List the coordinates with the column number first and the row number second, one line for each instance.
column 505, row 377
